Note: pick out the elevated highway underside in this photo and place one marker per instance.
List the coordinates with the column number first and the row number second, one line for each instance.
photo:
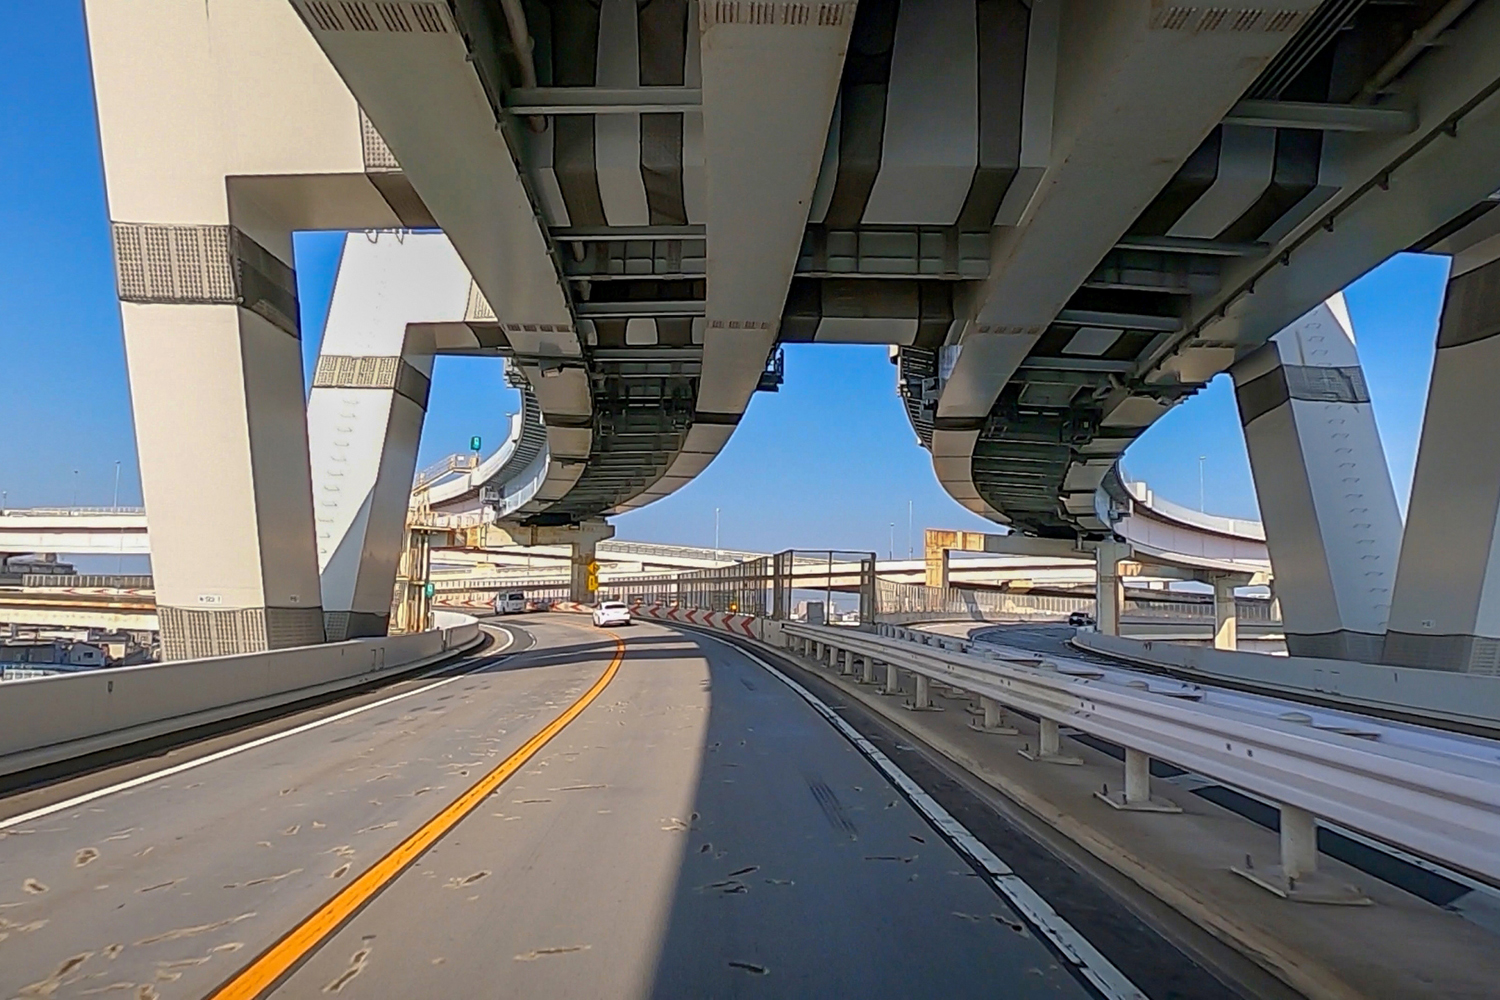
column 698, row 830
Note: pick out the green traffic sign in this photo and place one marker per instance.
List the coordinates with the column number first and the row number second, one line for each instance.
column 474, row 443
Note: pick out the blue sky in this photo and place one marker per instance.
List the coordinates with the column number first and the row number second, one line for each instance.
column 828, row 461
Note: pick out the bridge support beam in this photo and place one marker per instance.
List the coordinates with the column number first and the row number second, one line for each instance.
column 1109, row 589
column 1226, row 613
column 1446, row 611
column 365, row 415
column 1332, row 525
column 206, row 178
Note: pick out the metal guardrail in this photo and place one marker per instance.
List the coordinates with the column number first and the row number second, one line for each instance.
column 67, row 511
column 77, row 581
column 1434, row 804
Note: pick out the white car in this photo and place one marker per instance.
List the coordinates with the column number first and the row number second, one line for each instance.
column 612, row 613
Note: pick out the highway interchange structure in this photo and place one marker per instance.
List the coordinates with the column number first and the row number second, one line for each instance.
column 1064, row 217
column 1063, row 222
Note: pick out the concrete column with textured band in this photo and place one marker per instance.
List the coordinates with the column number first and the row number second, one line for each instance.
column 1332, row 525
column 1446, row 610
column 365, row 413
column 206, row 178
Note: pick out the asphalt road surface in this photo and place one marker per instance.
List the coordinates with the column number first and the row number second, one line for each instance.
column 698, row 830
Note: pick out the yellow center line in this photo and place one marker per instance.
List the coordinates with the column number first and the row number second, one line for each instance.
column 301, row 941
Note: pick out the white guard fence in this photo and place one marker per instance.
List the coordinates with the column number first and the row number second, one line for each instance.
column 48, row 719
column 1434, row 804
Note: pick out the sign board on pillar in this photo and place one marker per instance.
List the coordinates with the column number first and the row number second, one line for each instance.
column 593, row 567
column 429, row 590
column 592, row 583
column 474, row 443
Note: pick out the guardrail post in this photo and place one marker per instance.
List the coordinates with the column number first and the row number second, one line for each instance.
column 1297, row 877
column 994, row 719
column 1137, row 795
column 922, row 700
column 1050, row 751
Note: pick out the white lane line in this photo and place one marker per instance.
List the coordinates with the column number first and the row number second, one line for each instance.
column 1094, row 967
column 100, row 793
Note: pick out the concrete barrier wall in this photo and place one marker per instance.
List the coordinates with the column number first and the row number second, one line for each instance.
column 47, row 719
column 1468, row 699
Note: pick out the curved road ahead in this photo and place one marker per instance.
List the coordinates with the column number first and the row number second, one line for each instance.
column 698, row 830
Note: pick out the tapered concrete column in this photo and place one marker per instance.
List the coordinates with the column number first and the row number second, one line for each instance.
column 1226, row 614
column 365, row 413
column 1109, row 593
column 1332, row 525
column 867, row 670
column 892, row 679
column 206, row 175
column 1446, row 611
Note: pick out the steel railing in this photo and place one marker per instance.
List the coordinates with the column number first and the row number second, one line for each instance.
column 1435, row 804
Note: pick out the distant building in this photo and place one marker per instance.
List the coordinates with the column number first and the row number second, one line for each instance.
column 56, row 652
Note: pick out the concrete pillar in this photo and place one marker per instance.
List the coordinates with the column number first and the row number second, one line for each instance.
column 582, row 560
column 1446, row 610
column 1049, row 745
column 1299, row 843
column 1332, row 525
column 994, row 719
column 867, row 670
column 892, row 679
column 1109, row 593
column 922, row 699
column 365, row 413
column 1226, row 613
column 846, row 663
column 206, row 176
column 1137, row 777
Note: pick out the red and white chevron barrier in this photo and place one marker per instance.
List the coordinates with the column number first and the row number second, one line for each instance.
column 719, row 621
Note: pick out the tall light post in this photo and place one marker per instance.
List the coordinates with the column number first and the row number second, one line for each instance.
column 117, row 486
column 75, row 488
column 1201, row 508
column 890, row 553
column 716, row 535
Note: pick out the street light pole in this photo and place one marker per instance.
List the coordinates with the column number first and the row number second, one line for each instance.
column 890, row 553
column 716, row 534
column 117, row 486
column 1201, row 460
column 908, row 529
column 75, row 488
